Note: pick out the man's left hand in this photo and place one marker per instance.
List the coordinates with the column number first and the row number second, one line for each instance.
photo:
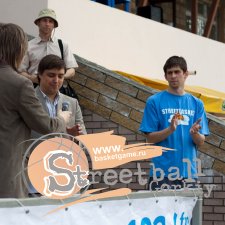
column 196, row 127
column 75, row 130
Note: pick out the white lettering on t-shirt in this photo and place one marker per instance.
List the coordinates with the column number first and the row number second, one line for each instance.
column 181, row 111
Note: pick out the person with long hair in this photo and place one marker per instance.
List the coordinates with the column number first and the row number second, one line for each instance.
column 20, row 111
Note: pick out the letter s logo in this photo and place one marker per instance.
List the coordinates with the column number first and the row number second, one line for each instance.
column 51, row 184
column 58, row 167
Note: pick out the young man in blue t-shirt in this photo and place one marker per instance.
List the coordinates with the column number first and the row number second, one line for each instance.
column 177, row 120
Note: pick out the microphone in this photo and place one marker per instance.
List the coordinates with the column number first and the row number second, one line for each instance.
column 65, row 106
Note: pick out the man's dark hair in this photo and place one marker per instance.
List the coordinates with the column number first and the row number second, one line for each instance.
column 174, row 61
column 50, row 62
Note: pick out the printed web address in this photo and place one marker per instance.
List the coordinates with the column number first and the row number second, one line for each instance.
column 107, row 149
column 120, row 156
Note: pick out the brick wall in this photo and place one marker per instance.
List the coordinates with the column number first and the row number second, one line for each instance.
column 112, row 102
column 213, row 205
column 95, row 124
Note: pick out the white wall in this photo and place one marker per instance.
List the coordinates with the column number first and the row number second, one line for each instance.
column 21, row 12
column 121, row 41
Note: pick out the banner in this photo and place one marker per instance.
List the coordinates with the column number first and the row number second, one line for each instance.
column 214, row 101
column 173, row 210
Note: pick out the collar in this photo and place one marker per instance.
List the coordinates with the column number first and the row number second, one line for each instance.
column 56, row 99
column 39, row 40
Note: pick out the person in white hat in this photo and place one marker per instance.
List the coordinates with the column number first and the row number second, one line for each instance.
column 44, row 45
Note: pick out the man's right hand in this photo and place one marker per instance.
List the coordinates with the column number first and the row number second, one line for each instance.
column 34, row 79
column 31, row 77
column 66, row 115
column 174, row 122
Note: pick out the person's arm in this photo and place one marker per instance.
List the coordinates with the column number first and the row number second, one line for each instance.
column 70, row 61
column 79, row 128
column 33, row 114
column 70, row 73
column 23, row 69
column 197, row 138
column 200, row 128
column 79, row 117
column 31, row 77
column 158, row 136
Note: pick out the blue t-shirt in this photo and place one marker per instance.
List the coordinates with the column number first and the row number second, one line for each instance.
column 158, row 113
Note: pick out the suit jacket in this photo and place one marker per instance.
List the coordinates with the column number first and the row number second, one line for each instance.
column 74, row 107
column 20, row 111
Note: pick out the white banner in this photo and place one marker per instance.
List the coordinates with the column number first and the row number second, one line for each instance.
column 145, row 211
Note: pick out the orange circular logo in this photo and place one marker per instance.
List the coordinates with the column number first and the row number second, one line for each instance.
column 58, row 168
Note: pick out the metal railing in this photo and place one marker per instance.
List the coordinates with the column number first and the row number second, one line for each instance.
column 42, row 201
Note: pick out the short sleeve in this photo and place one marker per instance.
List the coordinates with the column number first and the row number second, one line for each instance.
column 69, row 58
column 150, row 120
column 204, row 122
